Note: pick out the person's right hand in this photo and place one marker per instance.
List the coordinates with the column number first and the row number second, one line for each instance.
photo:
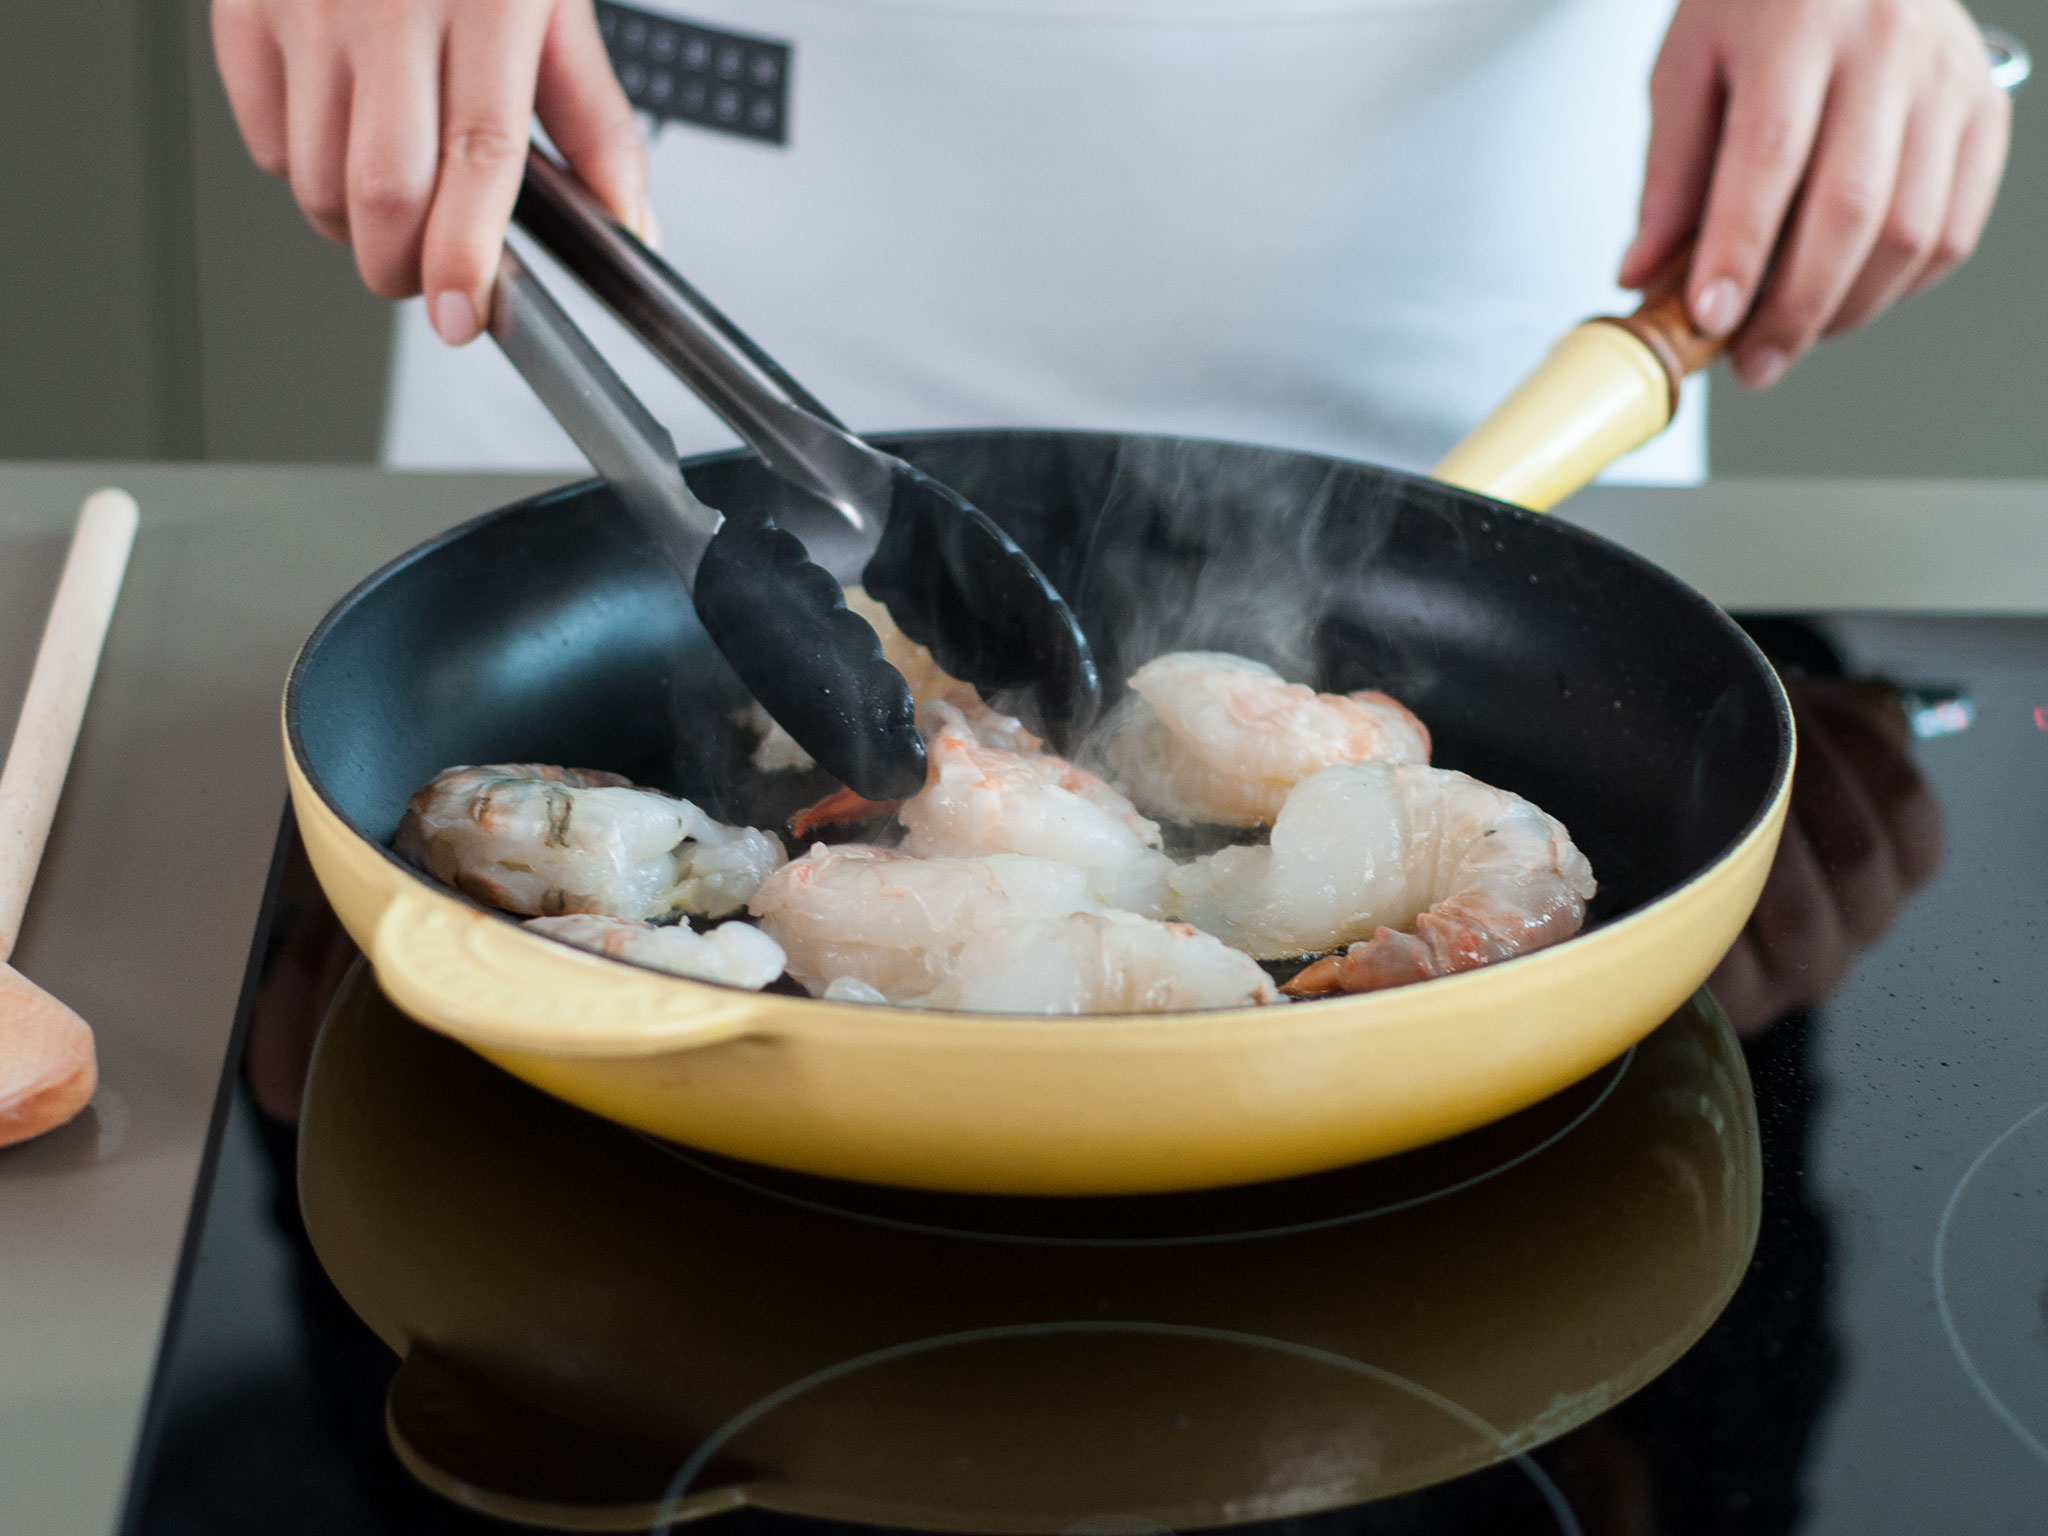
column 403, row 125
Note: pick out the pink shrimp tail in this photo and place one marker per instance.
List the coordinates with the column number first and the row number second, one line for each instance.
column 837, row 809
column 1387, row 959
column 1447, row 939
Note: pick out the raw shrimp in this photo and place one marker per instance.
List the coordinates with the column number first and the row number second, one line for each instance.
column 898, row 923
column 543, row 841
column 1209, row 737
column 738, row 954
column 977, row 723
column 1364, row 849
column 1099, row 962
column 981, row 799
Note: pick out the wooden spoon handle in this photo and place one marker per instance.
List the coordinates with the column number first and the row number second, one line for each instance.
column 54, row 707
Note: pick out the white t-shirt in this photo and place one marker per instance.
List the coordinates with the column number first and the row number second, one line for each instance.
column 1350, row 226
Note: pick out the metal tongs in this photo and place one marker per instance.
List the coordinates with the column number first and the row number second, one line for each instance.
column 780, row 619
column 951, row 579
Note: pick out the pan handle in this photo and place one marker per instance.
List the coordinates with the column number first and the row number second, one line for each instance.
column 1608, row 386
column 496, row 987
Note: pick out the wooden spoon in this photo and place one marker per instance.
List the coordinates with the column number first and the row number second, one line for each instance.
column 47, row 1068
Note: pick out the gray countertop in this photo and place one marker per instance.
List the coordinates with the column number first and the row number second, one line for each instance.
column 149, row 892
column 142, row 915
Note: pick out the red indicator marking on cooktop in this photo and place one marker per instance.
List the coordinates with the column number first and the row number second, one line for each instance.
column 2041, row 717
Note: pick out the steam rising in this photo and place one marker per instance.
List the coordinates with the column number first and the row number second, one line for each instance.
column 1195, row 546
column 1199, row 551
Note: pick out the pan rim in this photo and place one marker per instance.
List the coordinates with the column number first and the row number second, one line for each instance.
column 1051, row 1026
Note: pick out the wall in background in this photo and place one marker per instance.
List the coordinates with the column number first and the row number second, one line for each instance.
column 292, row 347
column 91, row 178
column 161, row 298
column 1953, row 382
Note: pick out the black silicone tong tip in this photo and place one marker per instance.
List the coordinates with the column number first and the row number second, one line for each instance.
column 783, row 624
column 958, row 585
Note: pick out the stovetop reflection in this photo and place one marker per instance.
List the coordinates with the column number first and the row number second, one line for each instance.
column 463, row 1306
column 562, row 1290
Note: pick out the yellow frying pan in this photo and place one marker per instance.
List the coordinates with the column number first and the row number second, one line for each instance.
column 1542, row 658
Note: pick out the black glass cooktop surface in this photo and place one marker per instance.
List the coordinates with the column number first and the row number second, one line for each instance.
column 1782, row 1267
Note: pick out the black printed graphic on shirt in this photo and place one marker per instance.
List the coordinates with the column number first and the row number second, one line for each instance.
column 686, row 73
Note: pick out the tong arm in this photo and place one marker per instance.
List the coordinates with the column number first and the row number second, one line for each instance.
column 623, row 442
column 794, row 435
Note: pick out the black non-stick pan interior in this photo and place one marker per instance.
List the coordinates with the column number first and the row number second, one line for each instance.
column 1542, row 659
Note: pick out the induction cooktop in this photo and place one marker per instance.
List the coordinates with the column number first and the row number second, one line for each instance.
column 1781, row 1267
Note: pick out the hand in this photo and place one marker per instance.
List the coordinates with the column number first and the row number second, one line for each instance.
column 1857, row 142
column 1864, row 833
column 403, row 124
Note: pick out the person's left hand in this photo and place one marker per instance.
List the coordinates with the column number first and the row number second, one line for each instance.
column 1832, row 155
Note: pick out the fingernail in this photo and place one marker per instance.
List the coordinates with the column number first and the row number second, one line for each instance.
column 650, row 227
column 1718, row 307
column 1764, row 367
column 455, row 318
